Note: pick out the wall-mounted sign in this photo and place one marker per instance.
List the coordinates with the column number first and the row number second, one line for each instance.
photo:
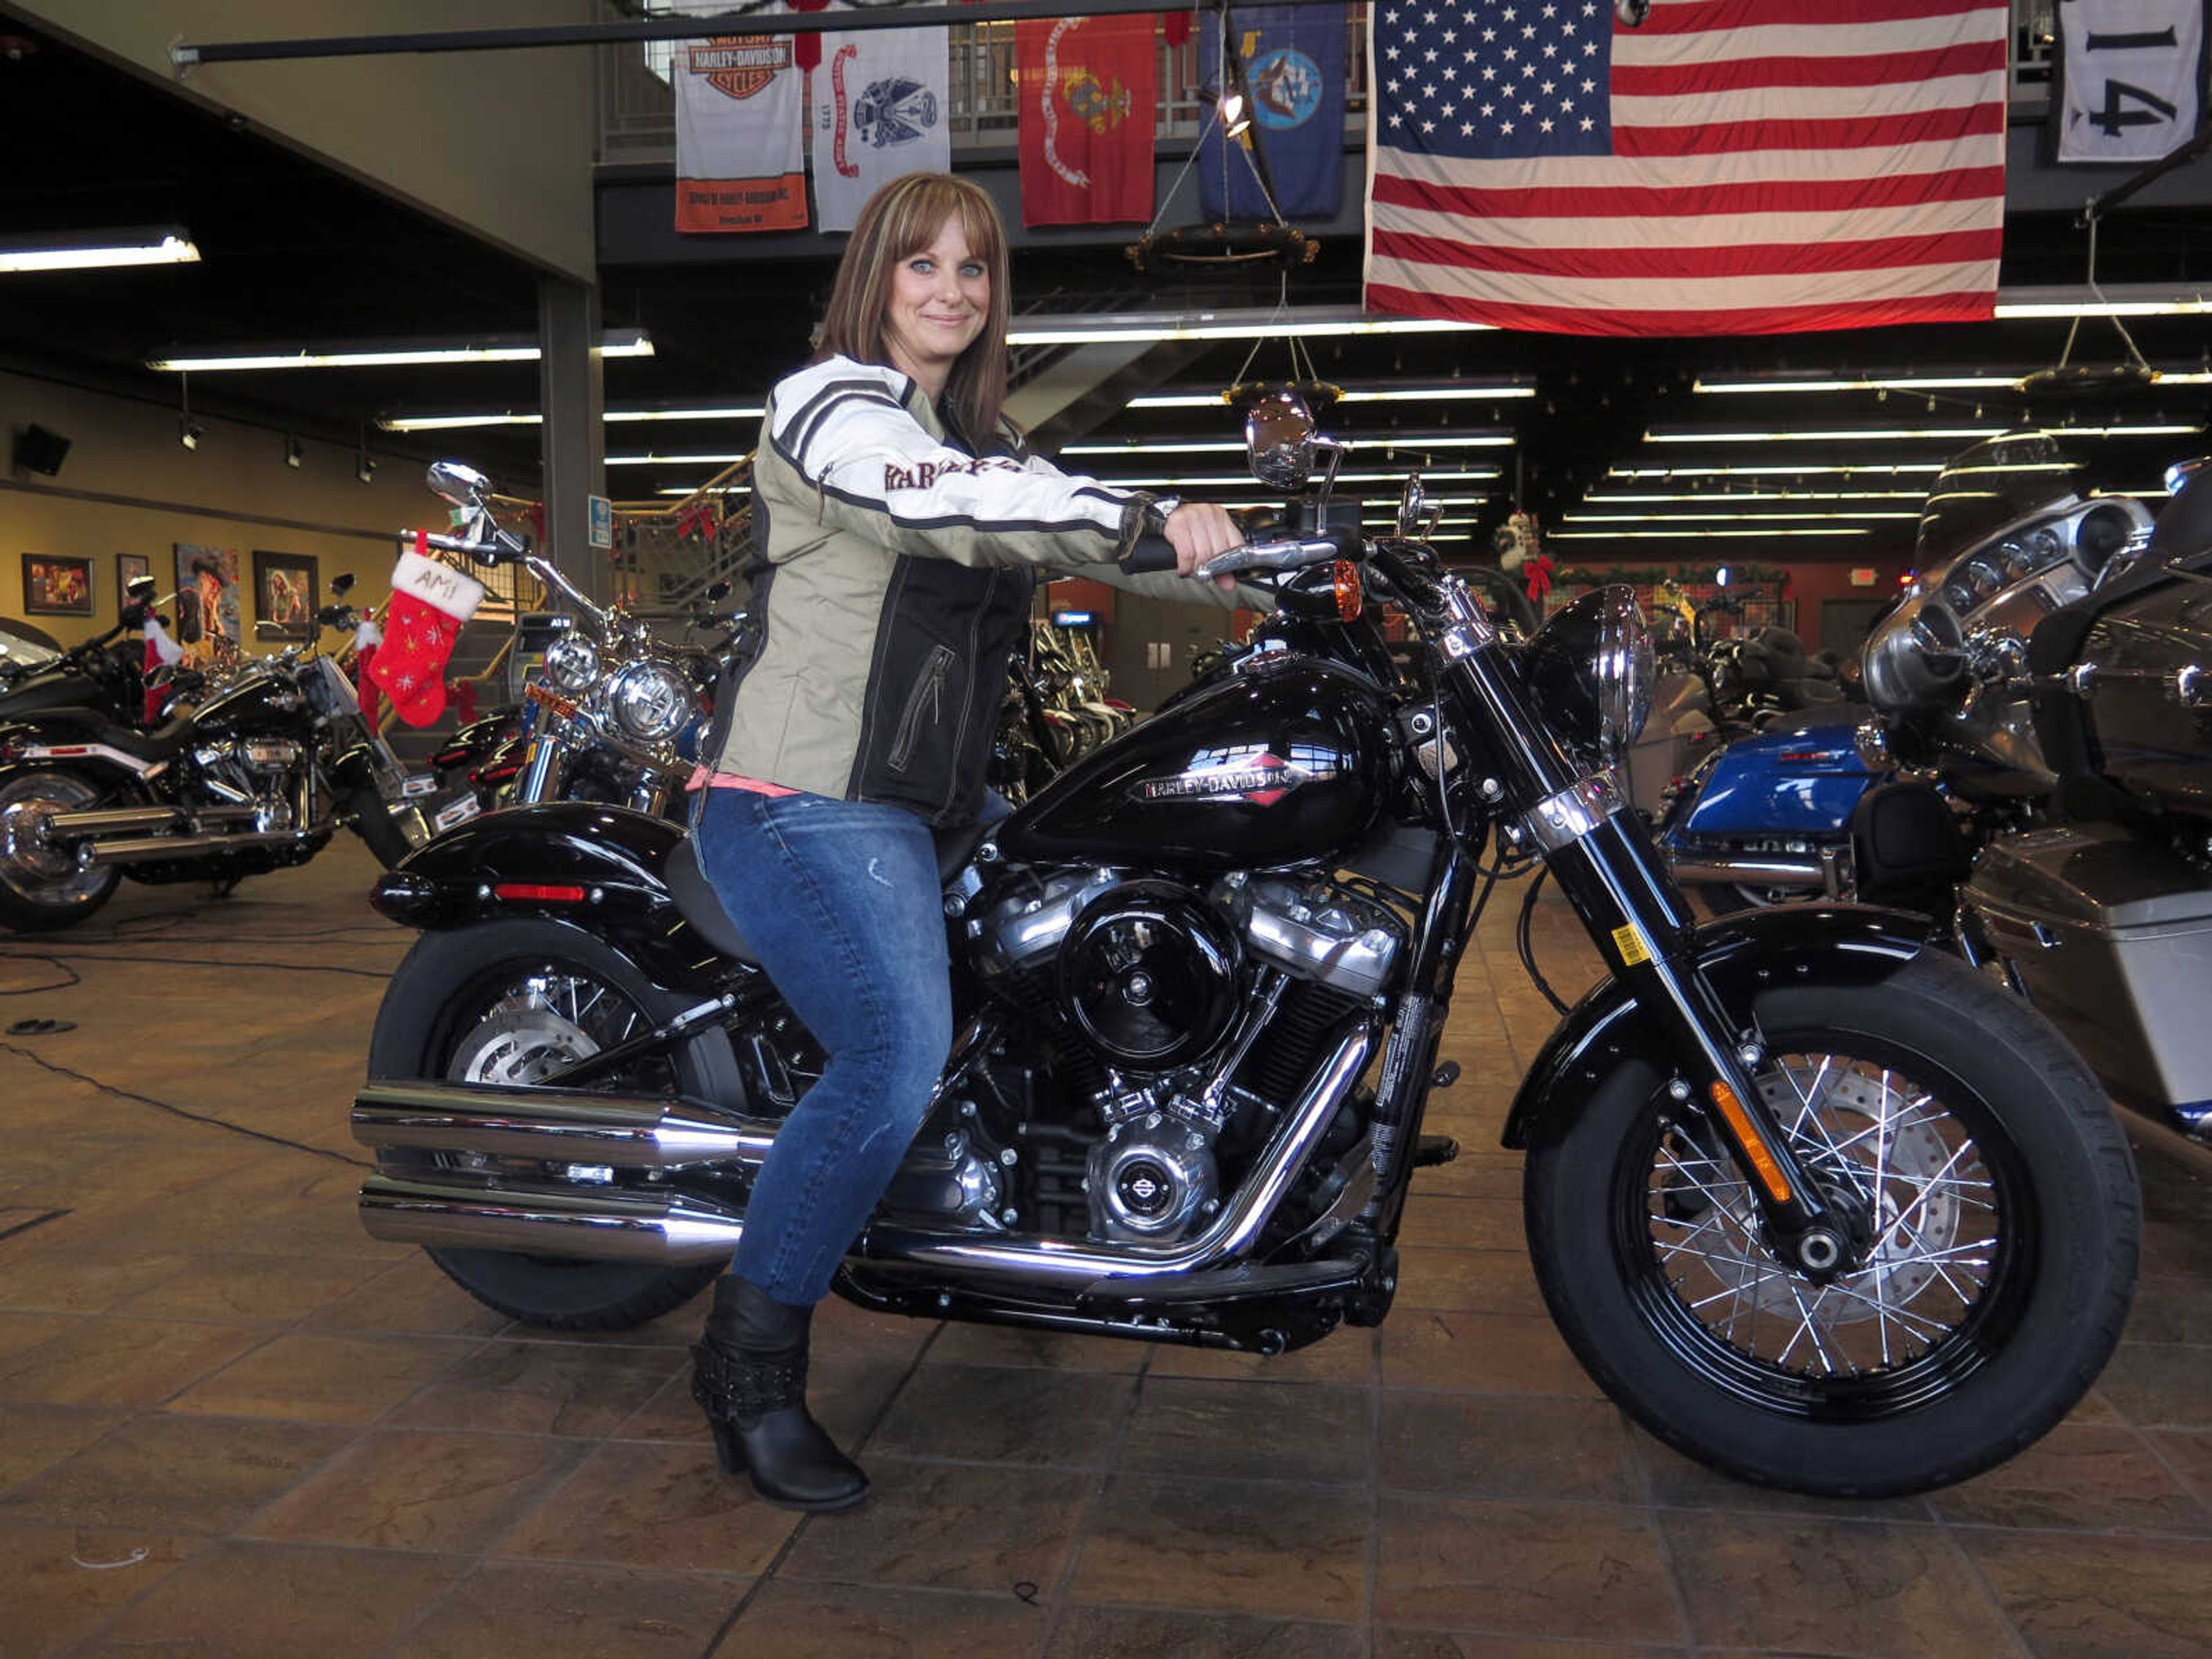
column 602, row 522
column 1863, row 577
column 1074, row 618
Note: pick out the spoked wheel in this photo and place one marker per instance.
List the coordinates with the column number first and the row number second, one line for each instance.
column 509, row 1004
column 1996, row 1227
column 41, row 887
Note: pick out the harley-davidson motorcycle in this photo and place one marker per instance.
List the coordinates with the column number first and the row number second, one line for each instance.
column 2014, row 529
column 2102, row 914
column 256, row 775
column 103, row 673
column 1820, row 1206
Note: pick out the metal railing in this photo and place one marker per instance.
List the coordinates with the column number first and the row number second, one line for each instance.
column 637, row 110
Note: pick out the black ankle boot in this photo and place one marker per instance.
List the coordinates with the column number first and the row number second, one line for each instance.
column 749, row 1377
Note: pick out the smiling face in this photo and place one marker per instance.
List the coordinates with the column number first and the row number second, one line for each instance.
column 940, row 297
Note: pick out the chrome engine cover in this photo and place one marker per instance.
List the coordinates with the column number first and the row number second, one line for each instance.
column 1148, row 1181
column 1316, row 931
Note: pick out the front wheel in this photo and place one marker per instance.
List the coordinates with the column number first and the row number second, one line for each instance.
column 2000, row 1222
column 509, row 1002
column 42, row 887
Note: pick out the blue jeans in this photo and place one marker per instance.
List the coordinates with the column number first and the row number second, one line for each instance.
column 840, row 904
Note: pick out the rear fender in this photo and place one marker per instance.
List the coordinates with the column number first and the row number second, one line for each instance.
column 595, row 868
column 71, row 741
column 1740, row 956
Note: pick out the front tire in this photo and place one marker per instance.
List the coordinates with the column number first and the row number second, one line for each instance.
column 41, row 888
column 507, row 1002
column 2003, row 1224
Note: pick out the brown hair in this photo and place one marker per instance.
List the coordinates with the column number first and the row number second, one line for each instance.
column 900, row 219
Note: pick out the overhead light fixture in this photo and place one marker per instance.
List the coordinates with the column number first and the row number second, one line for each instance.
column 672, row 460
column 1243, row 480
column 89, row 249
column 1458, row 391
column 1365, row 441
column 364, row 466
column 510, row 417
column 1691, row 530
column 293, row 451
column 1270, row 323
column 189, row 431
column 1834, row 435
column 490, row 348
column 1787, row 469
column 1988, row 383
column 2112, row 300
column 1709, row 497
column 719, row 489
column 1709, row 516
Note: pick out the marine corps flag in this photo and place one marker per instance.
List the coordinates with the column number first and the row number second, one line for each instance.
column 879, row 107
column 1293, row 62
column 1086, row 119
column 740, row 142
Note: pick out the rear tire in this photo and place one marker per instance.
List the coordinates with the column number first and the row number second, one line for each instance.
column 449, row 994
column 41, row 889
column 2004, row 1222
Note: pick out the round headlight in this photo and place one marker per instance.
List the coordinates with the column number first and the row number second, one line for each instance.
column 1590, row 670
column 650, row 702
column 572, row 663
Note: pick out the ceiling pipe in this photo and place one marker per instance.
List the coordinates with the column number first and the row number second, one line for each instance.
column 184, row 54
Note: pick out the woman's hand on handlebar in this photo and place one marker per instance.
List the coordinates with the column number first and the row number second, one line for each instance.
column 1198, row 531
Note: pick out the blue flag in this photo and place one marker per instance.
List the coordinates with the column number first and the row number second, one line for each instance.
column 1294, row 66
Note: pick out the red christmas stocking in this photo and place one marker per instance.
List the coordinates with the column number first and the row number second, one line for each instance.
column 429, row 603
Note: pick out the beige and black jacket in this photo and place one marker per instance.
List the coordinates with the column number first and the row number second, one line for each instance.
column 891, row 575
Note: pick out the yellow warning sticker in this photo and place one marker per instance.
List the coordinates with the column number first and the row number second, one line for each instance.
column 1631, row 944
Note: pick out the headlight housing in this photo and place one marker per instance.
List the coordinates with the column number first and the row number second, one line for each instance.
column 1589, row 669
column 572, row 664
column 650, row 701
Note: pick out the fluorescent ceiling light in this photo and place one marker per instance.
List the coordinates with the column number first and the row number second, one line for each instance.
column 674, row 460
column 1257, row 323
column 90, row 250
column 1243, row 480
column 719, row 489
column 2114, row 299
column 1714, row 498
column 1921, row 382
column 449, row 422
column 617, row 343
column 1457, row 391
column 1880, row 470
column 1690, row 532
column 1400, row 441
column 1845, row 434
column 1714, row 518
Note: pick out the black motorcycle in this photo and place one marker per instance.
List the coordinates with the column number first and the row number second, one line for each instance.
column 103, row 674
column 256, row 775
column 1820, row 1206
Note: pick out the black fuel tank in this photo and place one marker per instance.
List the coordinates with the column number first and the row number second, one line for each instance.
column 1279, row 763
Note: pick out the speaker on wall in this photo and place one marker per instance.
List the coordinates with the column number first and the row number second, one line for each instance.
column 38, row 450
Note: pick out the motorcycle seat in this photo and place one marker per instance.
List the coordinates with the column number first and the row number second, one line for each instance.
column 695, row 902
column 159, row 744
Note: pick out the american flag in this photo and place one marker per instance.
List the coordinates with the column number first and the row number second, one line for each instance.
column 1731, row 167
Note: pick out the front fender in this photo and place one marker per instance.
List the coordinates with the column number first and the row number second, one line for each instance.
column 596, row 867
column 1739, row 955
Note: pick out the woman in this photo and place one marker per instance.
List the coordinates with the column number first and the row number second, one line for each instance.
column 897, row 524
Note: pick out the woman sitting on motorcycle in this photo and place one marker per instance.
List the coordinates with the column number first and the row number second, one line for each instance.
column 900, row 524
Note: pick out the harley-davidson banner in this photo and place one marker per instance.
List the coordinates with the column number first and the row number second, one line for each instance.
column 741, row 143
column 1087, row 93
column 879, row 111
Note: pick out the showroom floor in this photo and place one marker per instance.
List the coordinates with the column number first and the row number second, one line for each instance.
column 231, row 1424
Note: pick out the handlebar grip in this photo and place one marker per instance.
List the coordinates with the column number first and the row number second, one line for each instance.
column 1149, row 555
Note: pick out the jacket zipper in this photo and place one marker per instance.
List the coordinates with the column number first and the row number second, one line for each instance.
column 929, row 688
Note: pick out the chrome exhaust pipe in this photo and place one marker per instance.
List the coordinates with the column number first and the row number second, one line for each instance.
column 630, row 1132
column 459, row 1211
column 112, row 821
column 474, row 1209
column 1759, row 871
column 151, row 848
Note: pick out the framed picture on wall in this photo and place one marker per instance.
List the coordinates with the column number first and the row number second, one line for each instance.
column 55, row 587
column 284, row 595
column 128, row 566
column 207, row 593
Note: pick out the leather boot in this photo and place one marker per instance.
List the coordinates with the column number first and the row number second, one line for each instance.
column 749, row 1377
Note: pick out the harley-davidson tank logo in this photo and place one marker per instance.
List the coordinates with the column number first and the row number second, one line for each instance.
column 741, row 64
column 1263, row 779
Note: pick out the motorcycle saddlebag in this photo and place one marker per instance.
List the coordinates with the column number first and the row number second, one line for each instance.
column 2112, row 939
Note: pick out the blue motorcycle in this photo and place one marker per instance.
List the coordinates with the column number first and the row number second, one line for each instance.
column 1891, row 810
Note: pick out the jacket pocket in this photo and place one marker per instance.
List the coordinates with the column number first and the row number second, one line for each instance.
column 925, row 707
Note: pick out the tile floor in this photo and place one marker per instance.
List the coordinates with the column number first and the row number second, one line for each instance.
column 231, row 1424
